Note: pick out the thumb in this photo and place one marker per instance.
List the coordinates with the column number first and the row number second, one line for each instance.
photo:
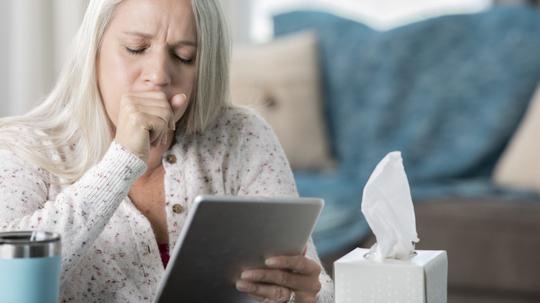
column 179, row 104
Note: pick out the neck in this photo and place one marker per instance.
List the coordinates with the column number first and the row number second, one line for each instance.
column 152, row 174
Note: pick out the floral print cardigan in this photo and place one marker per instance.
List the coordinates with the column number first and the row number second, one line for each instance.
column 109, row 249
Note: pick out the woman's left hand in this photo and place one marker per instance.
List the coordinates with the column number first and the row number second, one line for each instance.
column 283, row 276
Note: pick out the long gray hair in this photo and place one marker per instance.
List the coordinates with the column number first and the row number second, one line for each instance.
column 72, row 120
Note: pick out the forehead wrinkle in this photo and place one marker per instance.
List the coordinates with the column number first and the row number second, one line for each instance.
column 157, row 22
column 150, row 36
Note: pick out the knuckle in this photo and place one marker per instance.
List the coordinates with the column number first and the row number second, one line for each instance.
column 275, row 293
column 280, row 293
column 317, row 287
column 163, row 123
column 284, row 278
column 318, row 269
column 261, row 275
column 137, row 118
column 286, row 295
column 286, row 262
column 299, row 264
column 168, row 115
column 161, row 95
column 255, row 289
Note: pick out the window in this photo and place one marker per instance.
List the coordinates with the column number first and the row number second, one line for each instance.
column 380, row 14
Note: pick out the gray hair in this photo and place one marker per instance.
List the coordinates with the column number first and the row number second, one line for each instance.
column 72, row 120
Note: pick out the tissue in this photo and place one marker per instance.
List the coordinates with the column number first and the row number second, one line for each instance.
column 388, row 208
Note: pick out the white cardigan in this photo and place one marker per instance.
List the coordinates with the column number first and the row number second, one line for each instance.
column 109, row 249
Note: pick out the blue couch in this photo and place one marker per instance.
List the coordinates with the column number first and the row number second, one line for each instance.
column 448, row 92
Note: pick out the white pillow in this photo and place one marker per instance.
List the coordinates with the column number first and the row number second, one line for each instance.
column 280, row 81
column 519, row 166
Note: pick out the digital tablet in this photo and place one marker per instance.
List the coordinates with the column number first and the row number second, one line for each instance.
column 223, row 236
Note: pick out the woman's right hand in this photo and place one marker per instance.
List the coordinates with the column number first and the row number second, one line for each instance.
column 146, row 118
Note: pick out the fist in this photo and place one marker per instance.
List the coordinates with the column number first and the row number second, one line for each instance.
column 146, row 118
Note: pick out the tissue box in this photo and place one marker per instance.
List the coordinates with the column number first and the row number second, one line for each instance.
column 421, row 279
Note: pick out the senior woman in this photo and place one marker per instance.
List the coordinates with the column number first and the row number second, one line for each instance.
column 138, row 124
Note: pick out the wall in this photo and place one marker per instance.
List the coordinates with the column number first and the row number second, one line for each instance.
column 36, row 35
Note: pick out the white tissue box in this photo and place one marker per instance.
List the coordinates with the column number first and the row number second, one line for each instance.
column 421, row 279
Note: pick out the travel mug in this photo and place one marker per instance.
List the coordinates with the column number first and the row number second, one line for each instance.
column 29, row 267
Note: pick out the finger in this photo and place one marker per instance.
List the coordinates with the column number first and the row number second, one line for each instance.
column 297, row 264
column 257, row 298
column 156, row 141
column 281, row 278
column 153, row 105
column 161, row 139
column 148, row 95
column 179, row 105
column 153, row 124
column 158, row 130
column 155, row 100
column 305, row 297
column 272, row 292
column 164, row 113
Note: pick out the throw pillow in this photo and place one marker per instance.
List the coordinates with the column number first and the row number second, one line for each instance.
column 280, row 81
column 519, row 166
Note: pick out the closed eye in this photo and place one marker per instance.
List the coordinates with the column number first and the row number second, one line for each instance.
column 182, row 60
column 135, row 51
column 140, row 51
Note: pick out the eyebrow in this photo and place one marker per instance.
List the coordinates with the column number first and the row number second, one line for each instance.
column 149, row 36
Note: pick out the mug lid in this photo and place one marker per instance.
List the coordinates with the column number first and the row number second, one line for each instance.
column 29, row 244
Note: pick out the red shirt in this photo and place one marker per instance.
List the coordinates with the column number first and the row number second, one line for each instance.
column 164, row 253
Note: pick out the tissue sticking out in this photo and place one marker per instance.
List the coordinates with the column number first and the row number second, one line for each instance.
column 388, row 208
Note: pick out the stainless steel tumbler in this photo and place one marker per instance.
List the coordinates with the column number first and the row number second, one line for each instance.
column 29, row 267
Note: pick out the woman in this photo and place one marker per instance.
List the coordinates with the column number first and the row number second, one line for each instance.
column 137, row 126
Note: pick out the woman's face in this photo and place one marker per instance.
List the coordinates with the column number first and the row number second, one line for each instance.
column 149, row 45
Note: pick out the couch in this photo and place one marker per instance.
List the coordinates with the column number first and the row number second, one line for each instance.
column 450, row 93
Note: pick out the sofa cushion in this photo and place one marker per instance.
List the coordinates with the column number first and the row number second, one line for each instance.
column 280, row 80
column 492, row 245
column 519, row 167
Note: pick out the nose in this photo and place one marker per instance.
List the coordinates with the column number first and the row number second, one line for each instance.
column 157, row 76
